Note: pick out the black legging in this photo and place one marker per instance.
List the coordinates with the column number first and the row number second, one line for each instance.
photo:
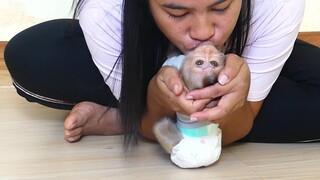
column 291, row 111
column 50, row 64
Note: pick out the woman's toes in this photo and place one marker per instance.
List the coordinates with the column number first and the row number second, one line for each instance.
column 87, row 118
column 73, row 135
column 73, row 139
column 69, row 124
column 76, row 118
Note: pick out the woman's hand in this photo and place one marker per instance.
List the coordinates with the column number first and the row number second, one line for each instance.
column 170, row 92
column 233, row 87
column 167, row 95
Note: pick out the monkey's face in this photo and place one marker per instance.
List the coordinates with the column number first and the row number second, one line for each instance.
column 202, row 66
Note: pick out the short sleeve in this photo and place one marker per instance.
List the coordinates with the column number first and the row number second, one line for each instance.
column 273, row 31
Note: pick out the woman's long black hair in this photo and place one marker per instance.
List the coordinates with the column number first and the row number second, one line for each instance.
column 144, row 50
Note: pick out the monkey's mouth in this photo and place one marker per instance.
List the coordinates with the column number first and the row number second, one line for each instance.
column 210, row 80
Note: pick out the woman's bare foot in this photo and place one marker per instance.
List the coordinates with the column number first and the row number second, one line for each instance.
column 88, row 118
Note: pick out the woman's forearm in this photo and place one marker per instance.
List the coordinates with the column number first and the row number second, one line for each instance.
column 239, row 123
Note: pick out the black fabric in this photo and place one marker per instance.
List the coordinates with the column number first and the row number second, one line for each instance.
column 52, row 59
column 291, row 112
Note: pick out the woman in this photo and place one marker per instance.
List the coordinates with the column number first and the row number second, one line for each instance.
column 266, row 96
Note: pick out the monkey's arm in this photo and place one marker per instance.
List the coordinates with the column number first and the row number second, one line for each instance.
column 167, row 134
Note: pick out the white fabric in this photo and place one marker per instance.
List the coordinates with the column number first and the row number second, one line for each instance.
column 194, row 152
column 100, row 21
column 175, row 61
column 274, row 28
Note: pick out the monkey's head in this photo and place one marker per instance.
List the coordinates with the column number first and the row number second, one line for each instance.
column 202, row 66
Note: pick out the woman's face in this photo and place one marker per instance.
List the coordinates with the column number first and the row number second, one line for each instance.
column 188, row 23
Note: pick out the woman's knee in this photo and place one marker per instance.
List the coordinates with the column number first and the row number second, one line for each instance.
column 52, row 60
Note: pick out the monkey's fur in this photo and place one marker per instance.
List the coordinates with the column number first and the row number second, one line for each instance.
column 199, row 69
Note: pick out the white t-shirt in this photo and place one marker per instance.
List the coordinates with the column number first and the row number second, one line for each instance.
column 273, row 30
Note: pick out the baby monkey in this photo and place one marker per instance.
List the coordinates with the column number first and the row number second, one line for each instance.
column 198, row 69
column 202, row 66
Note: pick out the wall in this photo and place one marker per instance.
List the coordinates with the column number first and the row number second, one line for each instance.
column 311, row 21
column 16, row 15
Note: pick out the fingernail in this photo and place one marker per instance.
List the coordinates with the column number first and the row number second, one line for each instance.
column 175, row 88
column 189, row 97
column 193, row 119
column 223, row 79
column 73, row 125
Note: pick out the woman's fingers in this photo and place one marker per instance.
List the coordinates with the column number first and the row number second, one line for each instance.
column 210, row 92
column 171, row 79
column 226, row 105
column 172, row 92
column 231, row 69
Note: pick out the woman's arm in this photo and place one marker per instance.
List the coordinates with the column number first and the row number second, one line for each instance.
column 238, row 124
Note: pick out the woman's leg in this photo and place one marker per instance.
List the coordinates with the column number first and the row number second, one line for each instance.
column 291, row 112
column 50, row 64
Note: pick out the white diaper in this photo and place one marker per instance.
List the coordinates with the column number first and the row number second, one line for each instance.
column 201, row 146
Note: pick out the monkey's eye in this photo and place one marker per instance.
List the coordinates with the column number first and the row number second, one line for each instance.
column 199, row 62
column 214, row 63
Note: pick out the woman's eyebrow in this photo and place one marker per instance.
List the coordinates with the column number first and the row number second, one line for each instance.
column 174, row 6
column 180, row 7
column 217, row 3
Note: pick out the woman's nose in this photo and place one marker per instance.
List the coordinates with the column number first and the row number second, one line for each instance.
column 202, row 29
